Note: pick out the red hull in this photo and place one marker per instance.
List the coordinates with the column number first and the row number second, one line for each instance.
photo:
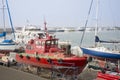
column 107, row 76
column 78, row 62
column 45, row 53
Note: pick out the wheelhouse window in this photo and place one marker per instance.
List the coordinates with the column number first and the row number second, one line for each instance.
column 52, row 42
column 38, row 43
column 42, row 43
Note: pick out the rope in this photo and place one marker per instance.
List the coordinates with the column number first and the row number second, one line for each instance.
column 86, row 22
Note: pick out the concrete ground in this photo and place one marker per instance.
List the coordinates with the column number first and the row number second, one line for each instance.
column 12, row 74
column 7, row 73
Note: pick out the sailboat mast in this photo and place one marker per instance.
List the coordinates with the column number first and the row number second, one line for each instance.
column 3, row 10
column 96, row 28
column 10, row 18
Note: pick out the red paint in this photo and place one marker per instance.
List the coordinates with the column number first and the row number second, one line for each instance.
column 49, row 54
column 107, row 76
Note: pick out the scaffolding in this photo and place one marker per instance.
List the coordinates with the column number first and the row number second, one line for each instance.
column 64, row 72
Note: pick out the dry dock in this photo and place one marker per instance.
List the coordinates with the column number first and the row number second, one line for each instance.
column 7, row 73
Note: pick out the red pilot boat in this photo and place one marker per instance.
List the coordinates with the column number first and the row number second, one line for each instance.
column 45, row 53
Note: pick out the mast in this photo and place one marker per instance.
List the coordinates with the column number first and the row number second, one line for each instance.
column 3, row 10
column 10, row 18
column 96, row 28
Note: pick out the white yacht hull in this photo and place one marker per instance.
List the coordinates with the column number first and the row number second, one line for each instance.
column 10, row 47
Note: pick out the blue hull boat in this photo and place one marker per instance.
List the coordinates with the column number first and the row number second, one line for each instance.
column 101, row 54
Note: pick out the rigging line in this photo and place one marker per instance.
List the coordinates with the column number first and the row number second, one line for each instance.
column 86, row 22
column 10, row 18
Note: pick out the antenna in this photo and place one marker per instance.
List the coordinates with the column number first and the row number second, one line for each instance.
column 45, row 23
column 45, row 27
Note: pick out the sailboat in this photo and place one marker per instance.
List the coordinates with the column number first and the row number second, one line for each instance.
column 102, row 51
column 98, row 50
column 7, row 45
column 107, row 61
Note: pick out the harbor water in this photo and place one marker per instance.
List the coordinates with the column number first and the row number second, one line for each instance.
column 89, row 37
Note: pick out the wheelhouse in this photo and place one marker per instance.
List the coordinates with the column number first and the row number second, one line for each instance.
column 42, row 45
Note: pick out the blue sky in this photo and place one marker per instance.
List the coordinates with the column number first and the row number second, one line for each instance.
column 64, row 13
